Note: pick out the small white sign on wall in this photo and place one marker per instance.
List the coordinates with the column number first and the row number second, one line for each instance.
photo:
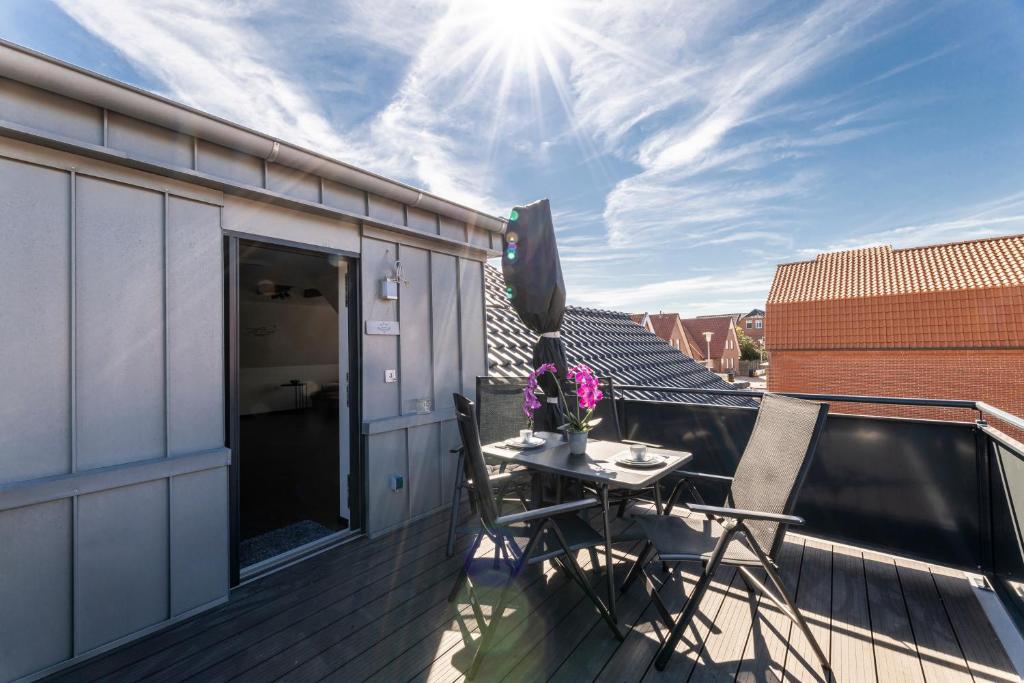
column 388, row 327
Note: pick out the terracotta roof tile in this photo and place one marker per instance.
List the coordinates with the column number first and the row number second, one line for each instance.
column 881, row 271
column 960, row 295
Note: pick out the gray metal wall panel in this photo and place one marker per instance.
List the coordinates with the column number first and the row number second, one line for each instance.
column 28, row 106
column 421, row 220
column 380, row 352
column 35, row 419
column 199, row 539
column 344, row 197
column 445, row 321
column 386, row 455
column 228, row 163
column 449, row 439
column 293, row 182
column 453, row 229
column 479, row 237
column 424, row 469
column 120, row 323
column 35, row 582
column 146, row 141
column 195, row 327
column 122, row 562
column 414, row 343
column 386, row 210
column 260, row 218
column 474, row 361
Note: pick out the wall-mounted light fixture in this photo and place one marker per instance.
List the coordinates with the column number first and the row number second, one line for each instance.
column 389, row 284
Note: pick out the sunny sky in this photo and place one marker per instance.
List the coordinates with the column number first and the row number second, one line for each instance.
column 686, row 147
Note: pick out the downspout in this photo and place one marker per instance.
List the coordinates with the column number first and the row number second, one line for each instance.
column 41, row 71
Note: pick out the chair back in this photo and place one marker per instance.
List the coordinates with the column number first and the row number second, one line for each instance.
column 499, row 408
column 775, row 463
column 476, row 468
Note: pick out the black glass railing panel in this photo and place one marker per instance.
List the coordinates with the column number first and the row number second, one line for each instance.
column 1006, row 469
column 905, row 486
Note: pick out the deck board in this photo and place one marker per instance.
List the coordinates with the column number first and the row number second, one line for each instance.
column 895, row 649
column 814, row 600
column 377, row 610
column 764, row 658
column 852, row 652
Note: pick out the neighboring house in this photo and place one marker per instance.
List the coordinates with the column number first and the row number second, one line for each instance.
column 643, row 320
column 722, row 352
column 608, row 341
column 752, row 325
column 669, row 327
column 940, row 321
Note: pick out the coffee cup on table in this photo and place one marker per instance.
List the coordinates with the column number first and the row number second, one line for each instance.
column 525, row 435
column 638, row 452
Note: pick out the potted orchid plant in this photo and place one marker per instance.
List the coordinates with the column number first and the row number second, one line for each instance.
column 580, row 416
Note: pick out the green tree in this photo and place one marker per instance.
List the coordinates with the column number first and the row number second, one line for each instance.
column 749, row 350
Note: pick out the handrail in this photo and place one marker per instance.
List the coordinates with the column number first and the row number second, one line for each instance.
column 1008, row 418
column 839, row 398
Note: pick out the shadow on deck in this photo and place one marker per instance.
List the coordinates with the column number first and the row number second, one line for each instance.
column 377, row 610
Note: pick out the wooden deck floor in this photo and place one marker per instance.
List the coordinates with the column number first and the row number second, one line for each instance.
column 376, row 610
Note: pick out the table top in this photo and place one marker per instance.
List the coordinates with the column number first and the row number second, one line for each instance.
column 598, row 465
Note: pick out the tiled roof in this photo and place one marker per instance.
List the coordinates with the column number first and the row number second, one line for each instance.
column 961, row 295
column 607, row 341
column 664, row 324
column 719, row 328
column 880, row 271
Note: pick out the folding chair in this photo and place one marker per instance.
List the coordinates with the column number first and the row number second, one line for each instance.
column 499, row 413
column 753, row 520
column 553, row 533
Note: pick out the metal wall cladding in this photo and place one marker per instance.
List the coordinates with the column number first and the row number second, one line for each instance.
column 440, row 351
column 33, row 108
column 113, row 339
column 904, row 486
column 35, row 413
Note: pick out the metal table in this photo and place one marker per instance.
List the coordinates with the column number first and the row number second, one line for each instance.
column 597, row 467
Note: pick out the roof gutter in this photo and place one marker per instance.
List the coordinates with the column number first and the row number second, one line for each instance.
column 42, row 71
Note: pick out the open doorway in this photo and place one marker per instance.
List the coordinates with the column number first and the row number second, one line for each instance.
column 292, row 418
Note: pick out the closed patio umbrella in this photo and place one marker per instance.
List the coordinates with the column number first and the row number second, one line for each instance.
column 536, row 290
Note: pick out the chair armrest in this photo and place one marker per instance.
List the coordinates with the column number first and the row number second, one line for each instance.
column 549, row 511
column 734, row 513
column 718, row 478
column 456, row 450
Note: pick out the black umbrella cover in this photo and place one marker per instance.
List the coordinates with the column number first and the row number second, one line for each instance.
column 536, row 290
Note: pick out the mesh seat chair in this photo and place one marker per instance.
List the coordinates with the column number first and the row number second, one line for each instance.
column 753, row 520
column 553, row 533
column 499, row 413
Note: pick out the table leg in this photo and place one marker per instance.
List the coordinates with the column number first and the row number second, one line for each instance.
column 536, row 489
column 609, row 569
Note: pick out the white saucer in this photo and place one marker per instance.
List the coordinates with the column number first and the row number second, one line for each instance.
column 532, row 442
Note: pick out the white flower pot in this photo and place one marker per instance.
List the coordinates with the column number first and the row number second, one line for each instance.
column 578, row 443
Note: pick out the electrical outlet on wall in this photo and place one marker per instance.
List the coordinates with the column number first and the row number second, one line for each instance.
column 390, row 376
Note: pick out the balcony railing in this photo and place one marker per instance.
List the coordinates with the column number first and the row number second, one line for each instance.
column 946, row 491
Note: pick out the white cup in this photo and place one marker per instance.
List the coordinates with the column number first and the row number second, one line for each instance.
column 638, row 452
column 525, row 435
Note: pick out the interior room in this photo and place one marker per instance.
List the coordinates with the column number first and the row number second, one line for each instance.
column 290, row 398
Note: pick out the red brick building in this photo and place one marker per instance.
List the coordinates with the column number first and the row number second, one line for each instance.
column 943, row 321
column 724, row 346
column 669, row 327
column 752, row 325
